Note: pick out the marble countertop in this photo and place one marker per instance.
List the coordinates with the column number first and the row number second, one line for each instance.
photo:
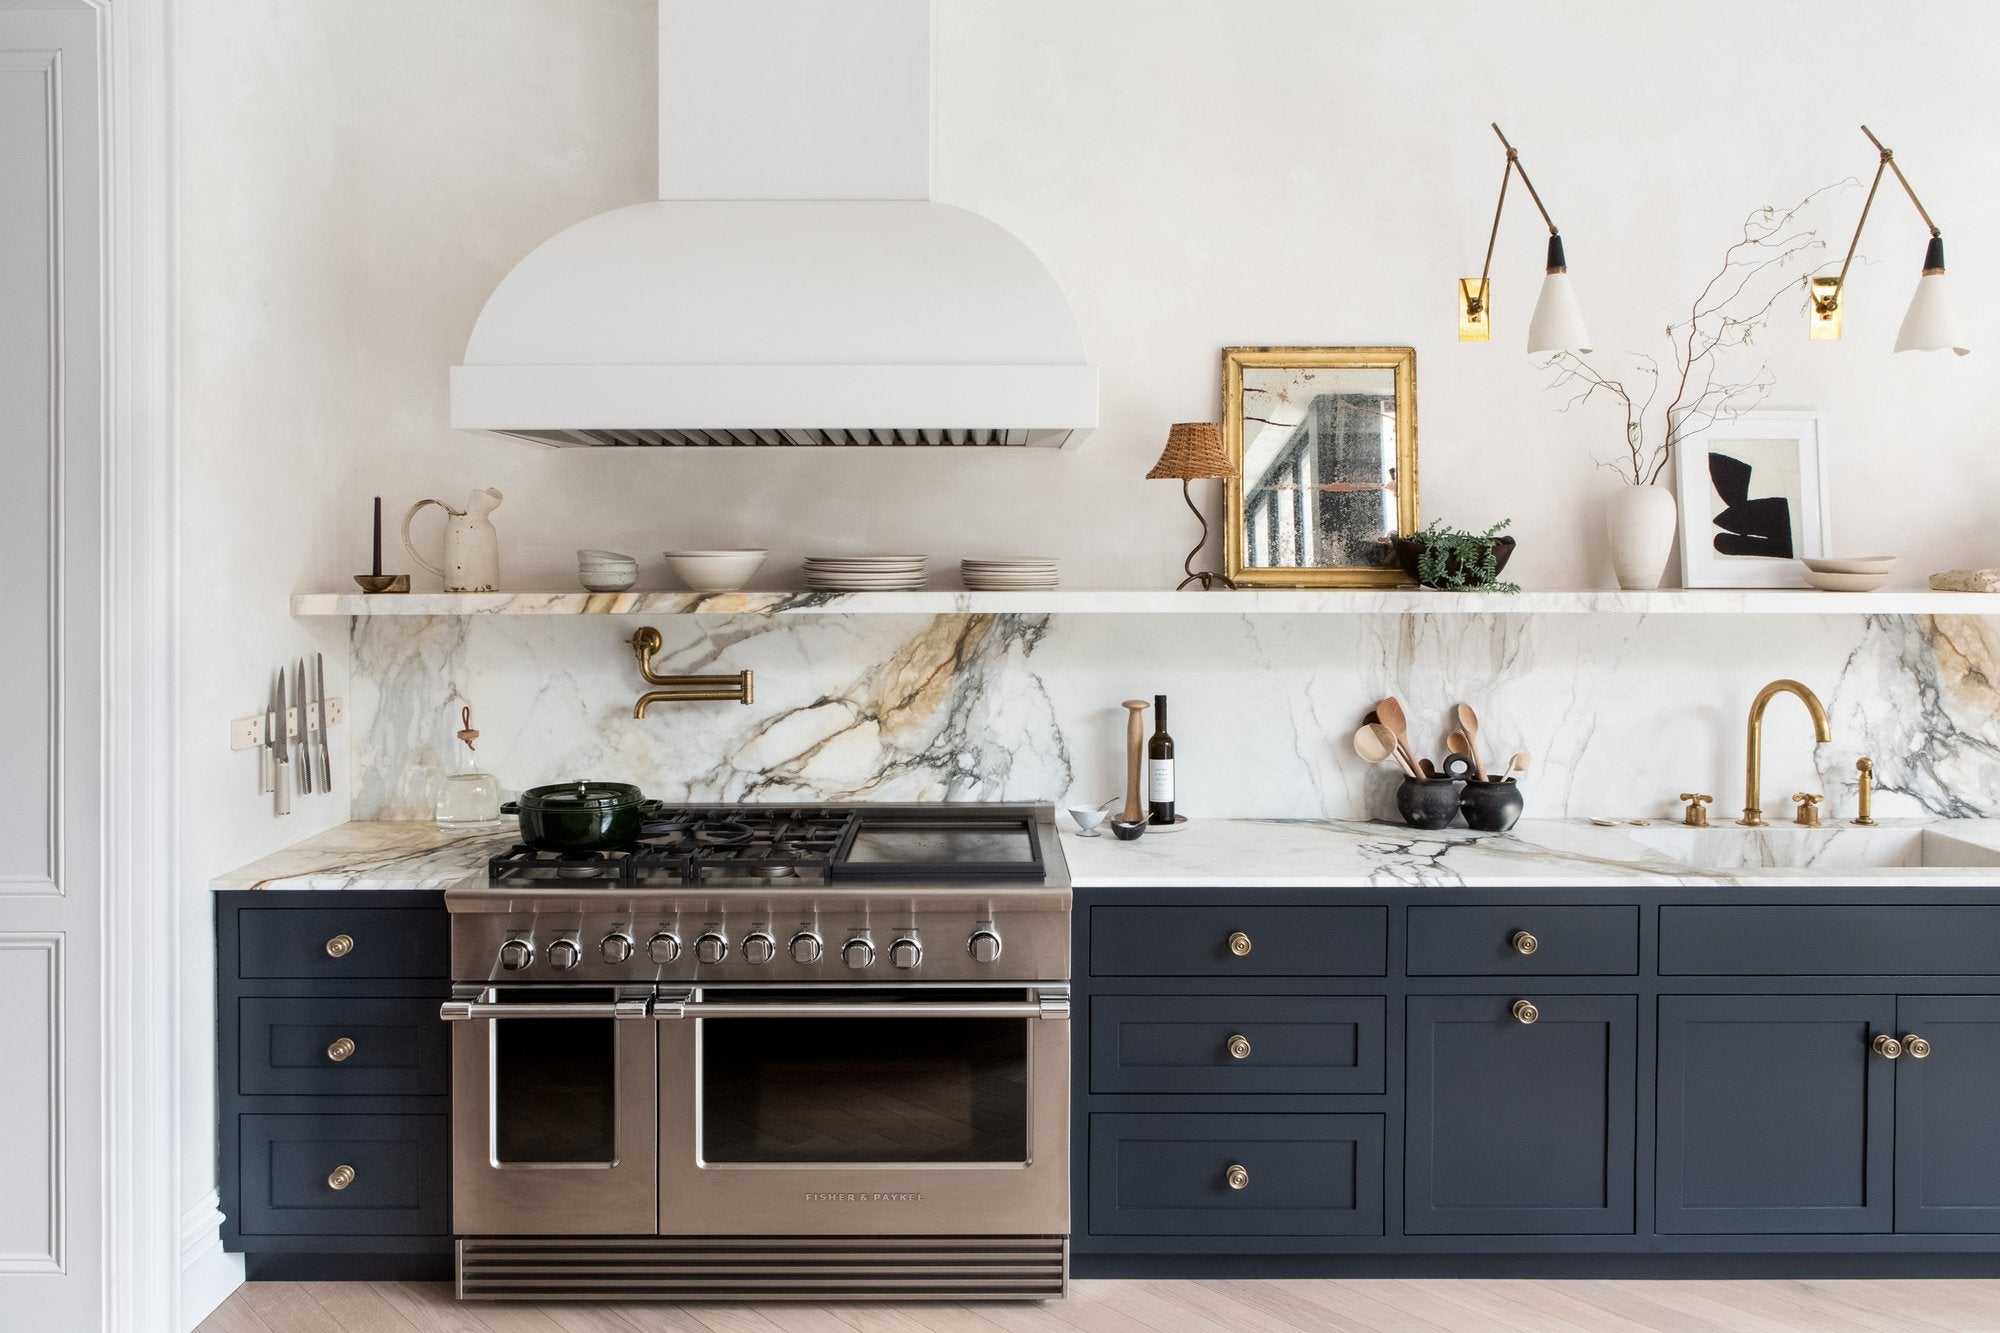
column 1255, row 853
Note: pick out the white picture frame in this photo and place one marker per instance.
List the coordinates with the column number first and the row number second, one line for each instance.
column 1765, row 456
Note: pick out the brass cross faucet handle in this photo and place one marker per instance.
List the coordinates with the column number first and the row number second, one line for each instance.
column 1808, row 802
column 1697, row 815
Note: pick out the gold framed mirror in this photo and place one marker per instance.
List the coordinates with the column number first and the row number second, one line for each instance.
column 1322, row 445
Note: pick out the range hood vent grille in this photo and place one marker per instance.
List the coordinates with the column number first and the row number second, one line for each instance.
column 795, row 439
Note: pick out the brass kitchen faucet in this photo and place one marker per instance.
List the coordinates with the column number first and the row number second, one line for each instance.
column 739, row 688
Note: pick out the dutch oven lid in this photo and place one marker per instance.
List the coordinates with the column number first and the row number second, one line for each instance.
column 583, row 795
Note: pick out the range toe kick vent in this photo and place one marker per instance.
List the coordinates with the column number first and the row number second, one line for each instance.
column 765, row 1268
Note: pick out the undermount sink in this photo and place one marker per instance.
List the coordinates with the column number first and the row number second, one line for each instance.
column 1834, row 847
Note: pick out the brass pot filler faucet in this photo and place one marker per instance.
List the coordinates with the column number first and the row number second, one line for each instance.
column 1753, row 767
column 739, row 688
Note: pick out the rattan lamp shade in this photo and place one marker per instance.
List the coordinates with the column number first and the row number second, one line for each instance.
column 1194, row 449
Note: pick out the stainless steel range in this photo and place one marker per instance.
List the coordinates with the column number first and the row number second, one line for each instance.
column 809, row 1053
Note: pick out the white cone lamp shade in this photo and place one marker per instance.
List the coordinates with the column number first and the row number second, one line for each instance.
column 1557, row 325
column 1932, row 323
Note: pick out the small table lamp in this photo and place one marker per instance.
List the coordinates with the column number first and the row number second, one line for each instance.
column 1194, row 449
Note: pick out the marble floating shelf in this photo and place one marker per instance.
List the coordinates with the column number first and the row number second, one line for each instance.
column 1383, row 601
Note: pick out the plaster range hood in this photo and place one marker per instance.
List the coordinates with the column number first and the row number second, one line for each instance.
column 794, row 284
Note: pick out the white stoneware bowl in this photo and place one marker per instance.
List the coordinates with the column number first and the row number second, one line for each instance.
column 1852, row 564
column 606, row 571
column 715, row 571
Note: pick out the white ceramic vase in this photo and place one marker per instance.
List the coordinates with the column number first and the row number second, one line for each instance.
column 1640, row 522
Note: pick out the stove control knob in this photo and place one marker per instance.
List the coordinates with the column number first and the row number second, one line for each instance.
column 759, row 947
column 564, row 955
column 984, row 946
column 616, row 947
column 711, row 949
column 515, row 955
column 806, row 947
column 857, row 954
column 664, row 947
column 906, row 953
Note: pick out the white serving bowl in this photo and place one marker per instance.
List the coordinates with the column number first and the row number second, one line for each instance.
column 1846, row 582
column 1852, row 564
column 715, row 571
column 606, row 571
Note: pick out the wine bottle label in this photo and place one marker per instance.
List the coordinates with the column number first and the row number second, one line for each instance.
column 1162, row 780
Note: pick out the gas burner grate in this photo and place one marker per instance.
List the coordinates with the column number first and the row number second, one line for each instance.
column 694, row 846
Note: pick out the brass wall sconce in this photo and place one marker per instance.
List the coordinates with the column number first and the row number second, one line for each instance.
column 1557, row 324
column 1931, row 323
column 739, row 688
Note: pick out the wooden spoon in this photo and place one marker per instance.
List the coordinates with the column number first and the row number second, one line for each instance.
column 1518, row 764
column 1375, row 744
column 1390, row 710
column 1459, row 743
column 1468, row 722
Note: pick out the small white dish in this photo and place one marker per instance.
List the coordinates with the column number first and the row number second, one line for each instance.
column 1088, row 821
column 1852, row 564
column 715, row 571
column 1846, row 582
column 606, row 571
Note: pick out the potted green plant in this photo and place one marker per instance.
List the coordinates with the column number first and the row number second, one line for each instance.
column 1456, row 560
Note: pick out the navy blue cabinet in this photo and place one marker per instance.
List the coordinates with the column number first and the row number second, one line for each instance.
column 1238, row 1175
column 333, row 1084
column 1236, row 1044
column 1520, row 1127
column 1948, row 1115
column 1774, row 1114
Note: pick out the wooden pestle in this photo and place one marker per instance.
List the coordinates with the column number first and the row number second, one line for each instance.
column 1135, row 753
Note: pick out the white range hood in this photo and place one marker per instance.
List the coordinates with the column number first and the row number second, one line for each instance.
column 794, row 284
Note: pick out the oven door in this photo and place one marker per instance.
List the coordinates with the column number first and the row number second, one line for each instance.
column 851, row 1111
column 554, row 1111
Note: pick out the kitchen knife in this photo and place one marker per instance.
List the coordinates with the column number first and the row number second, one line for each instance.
column 304, row 767
column 267, row 764
column 325, row 755
column 281, row 745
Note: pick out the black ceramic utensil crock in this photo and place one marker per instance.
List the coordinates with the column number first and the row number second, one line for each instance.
column 1427, row 803
column 581, row 816
column 1490, row 807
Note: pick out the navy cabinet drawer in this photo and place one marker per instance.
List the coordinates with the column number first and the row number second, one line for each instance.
column 381, row 942
column 1168, row 1175
column 1480, row 941
column 401, row 1183
column 1829, row 941
column 1284, row 941
column 1290, row 1043
column 394, row 1048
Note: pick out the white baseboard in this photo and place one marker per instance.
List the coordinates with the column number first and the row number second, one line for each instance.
column 208, row 1272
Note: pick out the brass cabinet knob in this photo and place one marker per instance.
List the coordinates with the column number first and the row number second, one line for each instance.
column 1917, row 1048
column 340, row 1177
column 1886, row 1046
column 1239, row 943
column 1237, row 1176
column 340, row 946
column 1524, row 943
column 341, row 1048
column 1525, row 1011
column 1239, row 1046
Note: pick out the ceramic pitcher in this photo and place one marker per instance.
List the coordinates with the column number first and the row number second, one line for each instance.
column 471, row 546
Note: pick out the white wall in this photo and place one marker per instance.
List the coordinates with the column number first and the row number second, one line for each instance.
column 1195, row 174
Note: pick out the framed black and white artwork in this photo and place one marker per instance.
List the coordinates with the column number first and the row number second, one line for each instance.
column 1753, row 501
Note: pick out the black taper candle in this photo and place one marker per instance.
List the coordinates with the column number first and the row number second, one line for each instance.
column 378, row 536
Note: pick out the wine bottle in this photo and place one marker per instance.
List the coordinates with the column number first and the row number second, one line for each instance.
column 1160, row 767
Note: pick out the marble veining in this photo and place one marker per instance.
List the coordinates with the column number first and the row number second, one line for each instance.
column 1621, row 713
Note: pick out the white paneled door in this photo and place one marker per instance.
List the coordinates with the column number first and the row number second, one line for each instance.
column 52, row 692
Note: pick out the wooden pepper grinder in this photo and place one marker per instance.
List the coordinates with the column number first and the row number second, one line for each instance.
column 1135, row 754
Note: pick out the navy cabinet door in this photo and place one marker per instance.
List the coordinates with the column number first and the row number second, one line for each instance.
column 1947, row 1111
column 1774, row 1114
column 1519, row 1128
column 1235, row 1175
column 1232, row 1044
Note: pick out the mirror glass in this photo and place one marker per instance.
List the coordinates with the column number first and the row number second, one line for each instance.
column 1319, row 467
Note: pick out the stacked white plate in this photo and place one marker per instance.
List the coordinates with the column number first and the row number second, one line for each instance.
column 864, row 573
column 1863, row 573
column 1028, row 573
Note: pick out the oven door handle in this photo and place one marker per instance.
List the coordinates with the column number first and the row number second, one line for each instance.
column 1049, row 1007
column 463, row 1011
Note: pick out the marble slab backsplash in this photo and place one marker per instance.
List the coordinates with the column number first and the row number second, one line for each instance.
column 1620, row 712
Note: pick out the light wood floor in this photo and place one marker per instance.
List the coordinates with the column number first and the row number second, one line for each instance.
column 1469, row 1306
